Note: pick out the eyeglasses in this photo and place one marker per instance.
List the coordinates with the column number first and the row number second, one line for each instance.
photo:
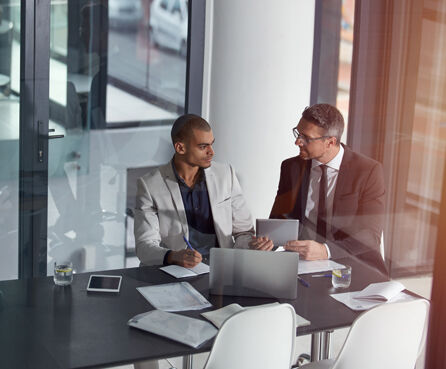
column 305, row 139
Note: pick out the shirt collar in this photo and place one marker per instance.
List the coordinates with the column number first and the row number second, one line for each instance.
column 334, row 163
column 181, row 180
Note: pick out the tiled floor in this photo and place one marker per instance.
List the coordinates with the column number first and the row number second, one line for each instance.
column 421, row 285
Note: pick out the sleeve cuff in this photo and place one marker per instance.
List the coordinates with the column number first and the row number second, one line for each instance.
column 326, row 247
column 169, row 251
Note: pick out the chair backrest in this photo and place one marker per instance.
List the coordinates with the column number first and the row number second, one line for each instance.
column 256, row 338
column 387, row 336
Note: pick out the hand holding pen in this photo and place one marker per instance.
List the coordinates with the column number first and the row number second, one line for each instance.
column 188, row 257
column 189, row 246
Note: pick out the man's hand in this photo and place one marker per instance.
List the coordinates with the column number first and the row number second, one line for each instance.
column 308, row 250
column 261, row 243
column 186, row 258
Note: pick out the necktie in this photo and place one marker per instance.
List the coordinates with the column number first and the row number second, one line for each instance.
column 321, row 227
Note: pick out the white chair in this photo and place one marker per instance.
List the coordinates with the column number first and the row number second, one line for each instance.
column 255, row 338
column 388, row 336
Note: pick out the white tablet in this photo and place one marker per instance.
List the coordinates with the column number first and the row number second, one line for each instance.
column 278, row 230
column 104, row 283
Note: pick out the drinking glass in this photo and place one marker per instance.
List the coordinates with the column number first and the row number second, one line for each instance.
column 63, row 273
column 342, row 277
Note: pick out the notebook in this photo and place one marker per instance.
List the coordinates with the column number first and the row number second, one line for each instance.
column 373, row 295
column 219, row 316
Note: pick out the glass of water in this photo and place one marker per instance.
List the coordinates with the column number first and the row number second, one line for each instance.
column 63, row 273
column 342, row 277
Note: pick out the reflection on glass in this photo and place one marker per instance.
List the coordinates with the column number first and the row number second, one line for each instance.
column 9, row 137
column 425, row 187
column 147, row 57
column 345, row 60
column 107, row 72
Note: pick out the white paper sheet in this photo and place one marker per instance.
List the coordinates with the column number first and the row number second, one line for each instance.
column 314, row 266
column 179, row 296
column 189, row 331
column 181, row 272
column 317, row 266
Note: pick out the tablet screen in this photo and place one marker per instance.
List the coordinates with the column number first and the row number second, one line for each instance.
column 105, row 283
column 280, row 231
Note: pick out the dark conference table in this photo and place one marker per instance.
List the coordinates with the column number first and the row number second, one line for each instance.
column 46, row 326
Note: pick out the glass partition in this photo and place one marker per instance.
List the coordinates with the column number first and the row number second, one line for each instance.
column 117, row 81
column 9, row 137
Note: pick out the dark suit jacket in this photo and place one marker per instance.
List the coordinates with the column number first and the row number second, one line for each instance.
column 358, row 205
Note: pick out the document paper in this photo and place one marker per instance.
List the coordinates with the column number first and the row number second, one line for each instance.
column 314, row 266
column 189, row 331
column 317, row 266
column 181, row 272
column 179, row 296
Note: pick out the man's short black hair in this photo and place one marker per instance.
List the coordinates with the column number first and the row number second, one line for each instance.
column 183, row 126
column 327, row 117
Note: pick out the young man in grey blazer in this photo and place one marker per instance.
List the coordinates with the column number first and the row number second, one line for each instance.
column 190, row 200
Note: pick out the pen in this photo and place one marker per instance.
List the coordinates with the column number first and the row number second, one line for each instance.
column 188, row 243
column 303, row 282
column 322, row 275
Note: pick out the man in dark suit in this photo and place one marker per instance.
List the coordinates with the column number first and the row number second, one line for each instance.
column 336, row 193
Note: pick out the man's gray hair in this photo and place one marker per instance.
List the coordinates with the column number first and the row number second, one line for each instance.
column 327, row 117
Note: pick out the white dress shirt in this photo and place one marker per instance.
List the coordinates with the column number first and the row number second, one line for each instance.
column 313, row 193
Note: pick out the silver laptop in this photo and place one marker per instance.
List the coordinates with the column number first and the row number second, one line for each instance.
column 238, row 272
column 278, row 230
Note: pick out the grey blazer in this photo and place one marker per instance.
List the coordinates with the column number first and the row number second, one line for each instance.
column 160, row 218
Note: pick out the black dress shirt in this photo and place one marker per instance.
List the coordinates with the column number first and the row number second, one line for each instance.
column 196, row 203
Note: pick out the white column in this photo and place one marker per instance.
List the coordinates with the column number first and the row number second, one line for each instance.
column 257, row 80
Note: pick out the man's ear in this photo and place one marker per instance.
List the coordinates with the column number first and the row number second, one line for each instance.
column 332, row 140
column 180, row 147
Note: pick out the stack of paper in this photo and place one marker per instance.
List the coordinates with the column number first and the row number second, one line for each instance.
column 174, row 297
column 189, row 331
column 373, row 295
column 181, row 272
column 218, row 317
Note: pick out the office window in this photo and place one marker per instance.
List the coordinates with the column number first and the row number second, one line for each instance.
column 397, row 116
column 389, row 86
column 117, row 82
column 147, row 59
column 9, row 137
column 345, row 58
column 332, row 56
